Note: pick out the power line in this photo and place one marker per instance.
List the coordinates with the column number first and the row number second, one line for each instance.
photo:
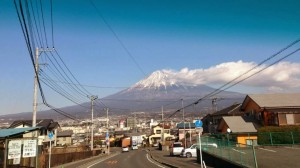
column 118, row 39
column 220, row 89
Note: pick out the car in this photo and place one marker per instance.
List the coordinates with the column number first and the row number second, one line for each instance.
column 135, row 147
column 176, row 148
column 192, row 150
column 125, row 149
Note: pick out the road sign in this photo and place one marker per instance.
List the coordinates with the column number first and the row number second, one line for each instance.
column 50, row 135
column 198, row 124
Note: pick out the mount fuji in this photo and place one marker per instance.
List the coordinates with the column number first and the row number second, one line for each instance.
column 161, row 88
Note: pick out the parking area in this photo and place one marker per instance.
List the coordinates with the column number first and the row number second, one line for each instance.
column 279, row 156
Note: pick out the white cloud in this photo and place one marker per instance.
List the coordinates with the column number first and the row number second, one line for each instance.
column 284, row 75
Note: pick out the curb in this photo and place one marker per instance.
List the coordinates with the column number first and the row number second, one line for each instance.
column 161, row 162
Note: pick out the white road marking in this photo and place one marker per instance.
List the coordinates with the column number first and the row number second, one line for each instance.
column 153, row 162
column 267, row 149
column 291, row 147
column 239, row 151
column 102, row 160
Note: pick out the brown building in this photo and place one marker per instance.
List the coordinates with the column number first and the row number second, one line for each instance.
column 273, row 109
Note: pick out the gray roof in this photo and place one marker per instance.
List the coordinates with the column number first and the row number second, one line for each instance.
column 238, row 125
column 287, row 100
column 186, row 125
column 5, row 133
column 67, row 133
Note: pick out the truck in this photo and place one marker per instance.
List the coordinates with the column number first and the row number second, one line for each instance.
column 126, row 142
column 134, row 142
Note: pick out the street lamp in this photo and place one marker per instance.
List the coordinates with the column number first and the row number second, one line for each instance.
column 228, row 132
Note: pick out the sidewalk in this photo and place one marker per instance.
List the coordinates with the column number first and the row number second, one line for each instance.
column 164, row 158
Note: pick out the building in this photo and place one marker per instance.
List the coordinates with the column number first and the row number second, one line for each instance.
column 237, row 127
column 64, row 138
column 46, row 126
column 185, row 128
column 273, row 109
column 160, row 133
column 211, row 121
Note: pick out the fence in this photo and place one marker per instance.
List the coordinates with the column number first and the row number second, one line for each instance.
column 278, row 138
column 229, row 150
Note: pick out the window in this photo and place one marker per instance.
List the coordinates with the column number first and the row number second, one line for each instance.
column 297, row 118
column 282, row 119
column 290, row 119
column 64, row 138
column 158, row 131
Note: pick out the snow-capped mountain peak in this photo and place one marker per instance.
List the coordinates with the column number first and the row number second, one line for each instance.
column 157, row 79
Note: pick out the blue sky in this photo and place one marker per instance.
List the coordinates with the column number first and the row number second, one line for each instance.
column 170, row 35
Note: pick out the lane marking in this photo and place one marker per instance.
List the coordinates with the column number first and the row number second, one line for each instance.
column 291, row 147
column 267, row 149
column 239, row 151
column 102, row 160
column 153, row 161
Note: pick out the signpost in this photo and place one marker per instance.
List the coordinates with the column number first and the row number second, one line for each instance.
column 14, row 151
column 198, row 125
column 107, row 142
column 29, row 148
column 50, row 135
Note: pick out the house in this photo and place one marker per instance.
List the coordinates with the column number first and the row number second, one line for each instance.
column 160, row 133
column 211, row 121
column 273, row 109
column 64, row 138
column 184, row 128
column 237, row 127
column 46, row 126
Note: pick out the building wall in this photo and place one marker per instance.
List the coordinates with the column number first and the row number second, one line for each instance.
column 64, row 140
column 241, row 138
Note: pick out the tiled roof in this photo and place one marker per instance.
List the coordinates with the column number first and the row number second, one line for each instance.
column 67, row 133
column 238, row 125
column 274, row 100
column 233, row 109
column 46, row 123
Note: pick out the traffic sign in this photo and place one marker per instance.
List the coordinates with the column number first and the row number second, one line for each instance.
column 198, row 124
column 50, row 135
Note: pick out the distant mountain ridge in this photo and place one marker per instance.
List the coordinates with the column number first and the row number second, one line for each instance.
column 150, row 94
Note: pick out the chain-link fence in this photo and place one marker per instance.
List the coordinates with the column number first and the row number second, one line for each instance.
column 278, row 138
column 229, row 150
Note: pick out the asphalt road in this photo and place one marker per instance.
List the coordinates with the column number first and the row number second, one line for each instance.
column 133, row 158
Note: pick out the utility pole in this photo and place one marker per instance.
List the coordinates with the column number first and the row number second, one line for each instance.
column 93, row 98
column 36, row 69
column 108, row 143
column 163, row 127
column 183, row 123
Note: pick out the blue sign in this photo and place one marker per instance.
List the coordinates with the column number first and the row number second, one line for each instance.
column 50, row 135
column 107, row 135
column 198, row 124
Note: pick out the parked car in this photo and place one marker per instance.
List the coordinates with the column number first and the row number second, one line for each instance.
column 192, row 150
column 125, row 149
column 176, row 148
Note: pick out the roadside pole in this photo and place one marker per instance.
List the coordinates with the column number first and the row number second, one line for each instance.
column 50, row 135
column 200, row 148
column 198, row 125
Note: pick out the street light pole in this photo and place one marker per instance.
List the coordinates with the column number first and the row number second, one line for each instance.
column 183, row 123
column 108, row 143
column 93, row 98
